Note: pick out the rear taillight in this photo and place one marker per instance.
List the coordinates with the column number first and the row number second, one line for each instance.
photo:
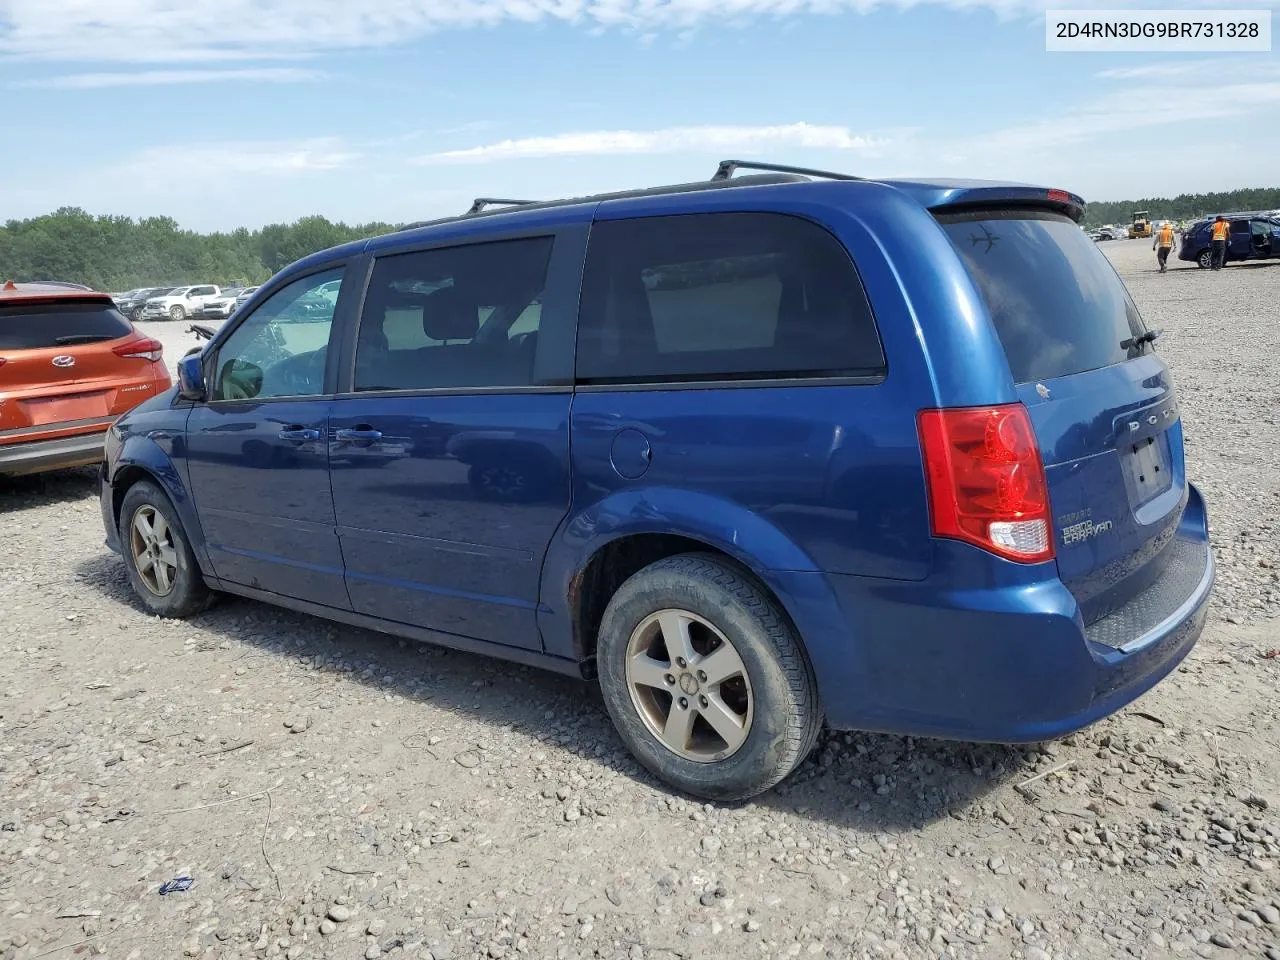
column 986, row 481
column 144, row 349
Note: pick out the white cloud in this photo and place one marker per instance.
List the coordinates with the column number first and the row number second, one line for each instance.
column 1174, row 95
column 192, row 162
column 165, row 31
column 1215, row 69
column 670, row 140
column 164, row 78
column 1155, row 130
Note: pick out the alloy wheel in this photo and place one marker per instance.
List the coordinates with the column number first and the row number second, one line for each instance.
column 155, row 555
column 689, row 685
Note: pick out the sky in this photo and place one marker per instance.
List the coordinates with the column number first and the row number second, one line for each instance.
column 228, row 113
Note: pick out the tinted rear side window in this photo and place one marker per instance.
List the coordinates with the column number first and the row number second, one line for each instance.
column 721, row 296
column 465, row 316
column 1058, row 305
column 32, row 326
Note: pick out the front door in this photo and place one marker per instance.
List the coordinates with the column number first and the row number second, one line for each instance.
column 258, row 456
column 450, row 452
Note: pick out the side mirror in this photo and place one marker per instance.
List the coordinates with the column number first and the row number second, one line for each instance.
column 191, row 385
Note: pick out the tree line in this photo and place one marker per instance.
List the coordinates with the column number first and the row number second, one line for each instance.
column 121, row 253
column 1186, row 206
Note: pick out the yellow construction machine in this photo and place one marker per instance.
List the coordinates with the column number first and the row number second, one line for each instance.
column 1141, row 225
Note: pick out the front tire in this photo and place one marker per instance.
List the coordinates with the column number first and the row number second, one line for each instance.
column 1205, row 260
column 162, row 567
column 177, row 313
column 136, row 315
column 705, row 679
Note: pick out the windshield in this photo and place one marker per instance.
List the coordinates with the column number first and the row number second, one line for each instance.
column 1058, row 305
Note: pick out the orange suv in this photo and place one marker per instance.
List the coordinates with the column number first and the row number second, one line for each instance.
column 70, row 363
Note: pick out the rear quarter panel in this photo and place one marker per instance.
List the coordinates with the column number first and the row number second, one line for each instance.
column 795, row 476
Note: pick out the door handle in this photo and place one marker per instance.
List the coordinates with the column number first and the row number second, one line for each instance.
column 361, row 435
column 299, row 434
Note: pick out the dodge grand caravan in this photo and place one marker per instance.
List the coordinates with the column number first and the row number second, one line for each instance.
column 757, row 454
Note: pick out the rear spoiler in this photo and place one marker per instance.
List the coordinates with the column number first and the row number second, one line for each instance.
column 1034, row 198
column 57, row 300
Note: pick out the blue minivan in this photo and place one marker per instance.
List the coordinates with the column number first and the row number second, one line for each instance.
column 756, row 454
column 1252, row 236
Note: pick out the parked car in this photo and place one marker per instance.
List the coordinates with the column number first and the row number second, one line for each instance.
column 132, row 306
column 179, row 303
column 70, row 363
column 219, row 307
column 244, row 295
column 1252, row 237
column 751, row 488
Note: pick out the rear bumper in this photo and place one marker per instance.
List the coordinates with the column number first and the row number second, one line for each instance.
column 1011, row 664
column 37, row 456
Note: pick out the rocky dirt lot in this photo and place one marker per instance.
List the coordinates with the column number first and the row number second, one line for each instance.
column 338, row 794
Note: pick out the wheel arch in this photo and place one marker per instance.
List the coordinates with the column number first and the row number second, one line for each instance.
column 599, row 548
column 141, row 458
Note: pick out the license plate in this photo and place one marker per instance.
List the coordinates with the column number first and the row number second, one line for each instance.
column 1148, row 464
column 85, row 406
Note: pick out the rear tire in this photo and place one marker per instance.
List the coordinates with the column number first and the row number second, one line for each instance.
column 177, row 313
column 162, row 567
column 730, row 731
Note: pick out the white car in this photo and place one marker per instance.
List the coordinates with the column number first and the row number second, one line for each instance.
column 221, row 306
column 179, row 303
column 244, row 295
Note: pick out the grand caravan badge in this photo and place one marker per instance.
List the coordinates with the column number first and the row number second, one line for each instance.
column 1085, row 530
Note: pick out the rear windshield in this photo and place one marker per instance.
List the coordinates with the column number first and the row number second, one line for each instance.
column 1058, row 305
column 29, row 326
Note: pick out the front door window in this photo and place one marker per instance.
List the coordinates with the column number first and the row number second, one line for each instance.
column 280, row 349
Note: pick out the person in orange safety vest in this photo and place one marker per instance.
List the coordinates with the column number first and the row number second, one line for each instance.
column 1163, row 244
column 1221, row 230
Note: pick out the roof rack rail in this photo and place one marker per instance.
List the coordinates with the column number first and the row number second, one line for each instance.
column 753, row 180
column 481, row 202
column 727, row 167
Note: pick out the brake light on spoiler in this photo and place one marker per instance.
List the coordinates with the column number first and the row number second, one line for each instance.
column 144, row 349
column 986, row 481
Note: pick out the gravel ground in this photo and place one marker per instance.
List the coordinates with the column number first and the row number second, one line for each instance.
column 338, row 794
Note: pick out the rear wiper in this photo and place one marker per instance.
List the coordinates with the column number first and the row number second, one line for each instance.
column 81, row 338
column 1141, row 340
